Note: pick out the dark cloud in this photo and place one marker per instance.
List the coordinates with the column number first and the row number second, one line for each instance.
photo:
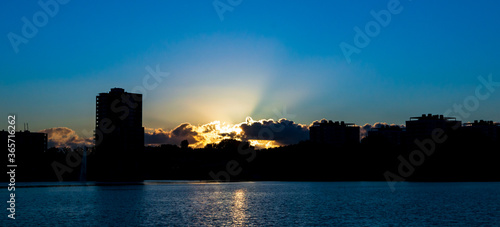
column 283, row 131
column 367, row 127
column 155, row 136
column 182, row 132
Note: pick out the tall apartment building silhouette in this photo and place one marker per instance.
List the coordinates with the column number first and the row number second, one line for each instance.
column 119, row 136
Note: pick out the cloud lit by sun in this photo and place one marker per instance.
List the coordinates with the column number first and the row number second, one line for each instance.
column 214, row 132
column 260, row 134
column 263, row 143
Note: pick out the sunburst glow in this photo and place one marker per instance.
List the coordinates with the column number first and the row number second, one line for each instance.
column 216, row 131
column 264, row 143
column 261, row 134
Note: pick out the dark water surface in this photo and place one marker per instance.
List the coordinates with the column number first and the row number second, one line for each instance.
column 256, row 203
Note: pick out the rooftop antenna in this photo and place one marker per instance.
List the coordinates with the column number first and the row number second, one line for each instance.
column 28, row 127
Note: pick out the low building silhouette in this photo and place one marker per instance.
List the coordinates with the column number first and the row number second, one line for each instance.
column 336, row 133
column 29, row 151
column 422, row 127
column 390, row 133
column 487, row 129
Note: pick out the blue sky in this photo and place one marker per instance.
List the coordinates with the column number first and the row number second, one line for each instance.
column 263, row 57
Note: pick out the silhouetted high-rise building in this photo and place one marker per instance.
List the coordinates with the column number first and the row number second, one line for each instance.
column 337, row 133
column 119, row 136
column 423, row 127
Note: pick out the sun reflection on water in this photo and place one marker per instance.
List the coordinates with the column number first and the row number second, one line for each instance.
column 239, row 207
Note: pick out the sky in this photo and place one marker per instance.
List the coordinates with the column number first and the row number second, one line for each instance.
column 229, row 60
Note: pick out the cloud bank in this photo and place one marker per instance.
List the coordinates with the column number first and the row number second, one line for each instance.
column 283, row 131
column 264, row 133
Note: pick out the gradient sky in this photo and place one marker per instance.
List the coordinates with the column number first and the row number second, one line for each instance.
column 265, row 56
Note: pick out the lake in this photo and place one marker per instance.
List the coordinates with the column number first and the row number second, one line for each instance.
column 256, row 204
